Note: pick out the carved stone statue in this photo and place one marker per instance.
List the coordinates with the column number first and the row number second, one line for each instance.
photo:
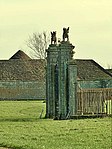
column 53, row 37
column 65, row 34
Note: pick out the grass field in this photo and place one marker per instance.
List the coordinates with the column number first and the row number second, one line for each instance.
column 21, row 128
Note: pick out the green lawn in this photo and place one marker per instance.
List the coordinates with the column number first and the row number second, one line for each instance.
column 21, row 128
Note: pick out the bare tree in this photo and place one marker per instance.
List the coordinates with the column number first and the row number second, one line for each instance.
column 38, row 43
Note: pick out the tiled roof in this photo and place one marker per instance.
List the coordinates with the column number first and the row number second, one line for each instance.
column 109, row 71
column 21, row 67
column 90, row 70
column 24, row 70
column 20, row 55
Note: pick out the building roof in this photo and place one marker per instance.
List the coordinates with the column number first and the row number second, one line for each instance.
column 24, row 70
column 20, row 55
column 88, row 69
column 21, row 67
column 109, row 71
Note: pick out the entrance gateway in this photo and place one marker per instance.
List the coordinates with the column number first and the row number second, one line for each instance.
column 61, row 74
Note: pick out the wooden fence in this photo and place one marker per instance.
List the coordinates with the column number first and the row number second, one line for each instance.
column 94, row 101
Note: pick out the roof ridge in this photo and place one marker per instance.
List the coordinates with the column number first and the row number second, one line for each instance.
column 103, row 69
column 20, row 55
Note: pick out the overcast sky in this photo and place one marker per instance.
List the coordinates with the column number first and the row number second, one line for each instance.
column 90, row 23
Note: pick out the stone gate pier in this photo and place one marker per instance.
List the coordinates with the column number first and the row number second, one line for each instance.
column 61, row 74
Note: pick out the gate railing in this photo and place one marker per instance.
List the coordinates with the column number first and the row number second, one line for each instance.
column 94, row 101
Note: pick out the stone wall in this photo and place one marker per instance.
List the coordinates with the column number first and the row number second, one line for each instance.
column 18, row 90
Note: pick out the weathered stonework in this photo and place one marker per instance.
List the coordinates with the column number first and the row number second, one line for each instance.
column 60, row 81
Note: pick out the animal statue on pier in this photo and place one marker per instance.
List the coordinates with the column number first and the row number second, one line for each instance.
column 65, row 34
column 53, row 37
